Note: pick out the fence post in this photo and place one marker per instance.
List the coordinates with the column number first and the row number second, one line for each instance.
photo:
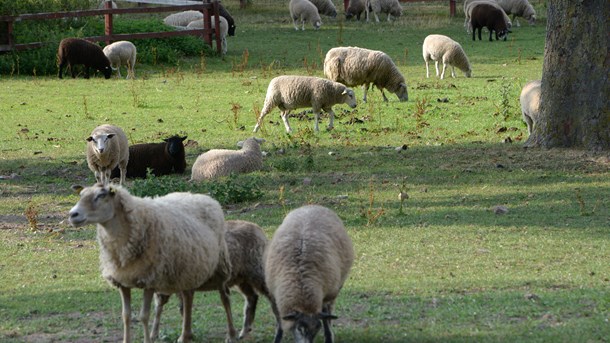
column 216, row 11
column 108, row 21
column 345, row 5
column 452, row 8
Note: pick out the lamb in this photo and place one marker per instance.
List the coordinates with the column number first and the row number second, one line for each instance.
column 290, row 92
column 521, row 8
column 306, row 265
column 486, row 15
column 167, row 244
column 530, row 103
column 355, row 8
column 470, row 4
column 355, row 66
column 325, row 7
column 122, row 53
column 304, row 10
column 391, row 7
column 75, row 51
column 182, row 19
column 107, row 148
column 221, row 162
column 161, row 158
column 246, row 244
column 445, row 49
column 222, row 32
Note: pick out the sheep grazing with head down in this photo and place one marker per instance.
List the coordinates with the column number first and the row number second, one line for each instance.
column 306, row 264
column 168, row 244
column 290, row 92
column 304, row 10
column 222, row 32
column 246, row 244
column 355, row 9
column 444, row 49
column 355, row 66
column 530, row 103
column 390, row 7
column 107, row 148
column 122, row 53
column 519, row 8
column 325, row 7
column 470, row 4
column 222, row 162
column 491, row 17
column 76, row 51
column 163, row 158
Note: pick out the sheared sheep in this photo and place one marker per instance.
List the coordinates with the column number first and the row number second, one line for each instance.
column 161, row 158
column 222, row 162
column 306, row 264
column 391, row 7
column 290, row 92
column 182, row 19
column 470, row 4
column 355, row 66
column 355, row 8
column 442, row 48
column 486, row 15
column 304, row 10
column 325, row 7
column 74, row 51
column 530, row 104
column 246, row 243
column 519, row 8
column 222, row 32
column 167, row 244
column 122, row 53
column 107, row 148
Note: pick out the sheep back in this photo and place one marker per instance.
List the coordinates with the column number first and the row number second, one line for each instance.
column 222, row 162
column 390, row 7
column 76, row 51
column 107, row 148
column 530, row 103
column 521, row 8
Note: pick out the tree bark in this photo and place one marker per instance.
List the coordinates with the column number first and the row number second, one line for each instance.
column 575, row 90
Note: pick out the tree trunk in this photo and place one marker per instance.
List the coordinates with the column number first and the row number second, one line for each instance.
column 575, row 90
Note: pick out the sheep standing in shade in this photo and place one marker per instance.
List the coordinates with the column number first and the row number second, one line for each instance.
column 391, row 7
column 290, row 92
column 325, row 7
column 122, row 53
column 530, row 103
column 355, row 66
column 107, row 148
column 161, row 158
column 470, row 4
column 355, row 8
column 442, row 48
column 491, row 17
column 222, row 162
column 76, row 51
column 222, row 32
column 246, row 244
column 168, row 244
column 304, row 10
column 306, row 264
column 519, row 8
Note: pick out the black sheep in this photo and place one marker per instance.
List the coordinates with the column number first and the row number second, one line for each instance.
column 73, row 51
column 225, row 14
column 485, row 15
column 162, row 158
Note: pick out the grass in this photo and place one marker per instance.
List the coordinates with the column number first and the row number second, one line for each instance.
column 446, row 268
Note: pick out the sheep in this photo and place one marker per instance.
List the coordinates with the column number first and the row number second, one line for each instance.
column 107, row 148
column 221, row 162
column 470, row 4
column 290, row 92
column 182, row 19
column 246, row 244
column 530, row 104
column 445, row 49
column 161, row 158
column 222, row 32
column 119, row 53
column 306, row 265
column 355, row 66
column 486, row 15
column 521, row 8
column 355, row 8
column 304, row 10
column 222, row 11
column 325, row 7
column 391, row 7
column 168, row 244
column 74, row 51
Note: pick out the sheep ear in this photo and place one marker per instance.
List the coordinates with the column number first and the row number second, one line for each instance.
column 291, row 316
column 89, row 139
column 183, row 138
column 344, row 92
column 77, row 189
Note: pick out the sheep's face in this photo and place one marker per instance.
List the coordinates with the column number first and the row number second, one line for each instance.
column 349, row 98
column 468, row 73
column 402, row 93
column 304, row 327
column 100, row 141
column 531, row 19
column 107, row 71
column 175, row 147
column 232, row 30
column 95, row 206
column 396, row 11
column 317, row 24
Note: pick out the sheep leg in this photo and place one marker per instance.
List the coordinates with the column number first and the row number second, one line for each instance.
column 278, row 322
column 331, row 118
column 490, row 32
column 376, row 16
column 436, row 66
column 145, row 312
column 385, row 98
column 187, row 311
column 126, row 313
column 72, row 71
column 294, row 22
column 284, row 116
column 328, row 333
column 444, row 68
column 427, row 69
column 160, row 301
column 118, row 70
column 249, row 309
column 453, row 71
column 61, row 70
column 365, row 89
column 316, row 115
column 226, row 303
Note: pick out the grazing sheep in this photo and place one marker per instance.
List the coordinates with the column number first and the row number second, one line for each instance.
column 470, row 4
column 325, row 7
column 445, row 49
column 290, row 92
column 103, row 5
column 355, row 8
column 246, row 243
column 161, row 158
column 519, row 8
column 74, row 51
column 182, row 19
column 355, row 66
column 122, row 53
column 222, row 162
column 530, row 104
column 486, row 15
column 222, row 11
column 391, row 7
column 307, row 262
column 304, row 10
column 222, row 32
column 167, row 244
column 107, row 148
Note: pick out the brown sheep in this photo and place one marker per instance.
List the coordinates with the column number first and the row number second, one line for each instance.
column 73, row 51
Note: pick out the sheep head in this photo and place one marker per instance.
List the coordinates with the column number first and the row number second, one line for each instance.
column 95, row 205
column 402, row 92
column 305, row 327
column 100, row 141
column 175, row 147
column 349, row 97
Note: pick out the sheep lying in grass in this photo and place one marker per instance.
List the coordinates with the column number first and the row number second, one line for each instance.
column 290, row 92
column 182, row 19
column 168, row 244
column 107, row 148
column 307, row 262
column 221, row 162
column 222, row 32
column 530, row 104
column 391, row 7
column 76, row 51
column 304, row 10
column 161, row 158
column 519, row 8
column 355, row 8
column 246, row 244
column 442, row 48
column 122, row 53
column 470, row 4
column 491, row 17
column 325, row 7
column 355, row 66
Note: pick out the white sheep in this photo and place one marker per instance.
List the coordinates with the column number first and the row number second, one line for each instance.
column 107, row 147
column 222, row 32
column 246, row 244
column 289, row 92
column 222, row 162
column 521, row 8
column 444, row 49
column 306, row 265
column 122, row 53
column 530, row 103
column 182, row 19
column 168, row 244
column 355, row 66
column 391, row 7
column 470, row 4
column 304, row 10
column 325, row 7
